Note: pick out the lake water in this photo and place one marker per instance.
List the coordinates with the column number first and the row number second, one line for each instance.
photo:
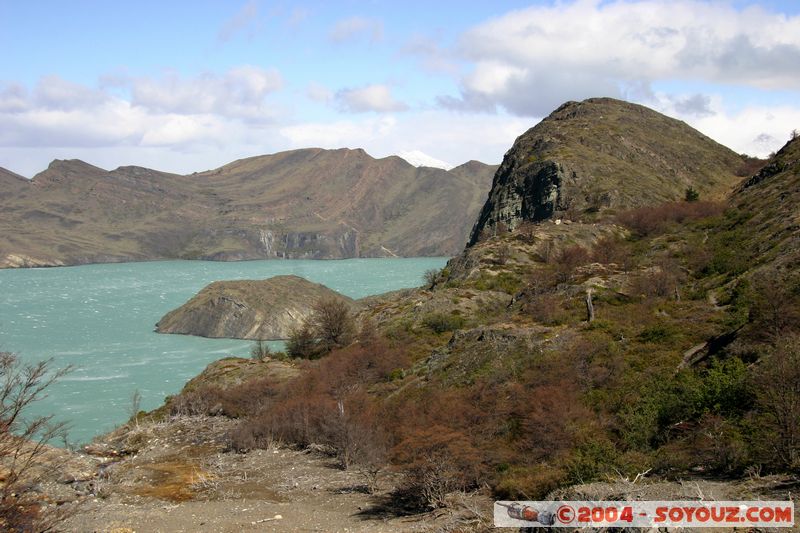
column 100, row 319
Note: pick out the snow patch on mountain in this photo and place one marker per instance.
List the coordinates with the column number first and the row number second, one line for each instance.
column 421, row 159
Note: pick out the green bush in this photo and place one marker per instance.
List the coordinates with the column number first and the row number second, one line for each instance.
column 503, row 282
column 658, row 334
column 442, row 322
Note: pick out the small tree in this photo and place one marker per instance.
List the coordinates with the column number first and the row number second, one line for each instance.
column 259, row 351
column 332, row 323
column 135, row 407
column 795, row 134
column 431, row 277
column 302, row 344
column 691, row 195
column 23, row 441
column 330, row 326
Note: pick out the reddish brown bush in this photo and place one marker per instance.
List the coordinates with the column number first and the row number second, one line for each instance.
column 568, row 260
column 663, row 280
column 435, row 461
column 234, row 402
column 612, row 250
column 328, row 404
column 544, row 308
column 655, row 219
column 554, row 418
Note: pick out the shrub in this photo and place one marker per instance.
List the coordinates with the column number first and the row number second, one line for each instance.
column 662, row 281
column 502, row 282
column 442, row 322
column 23, row 441
column 259, row 351
column 234, row 402
column 436, row 461
column 655, row 219
column 502, row 254
column 774, row 304
column 778, row 396
column 528, row 482
column 611, row 249
column 568, row 261
column 545, row 308
column 325, row 405
column 658, row 334
column 590, row 460
column 330, row 326
column 302, row 343
column 430, row 277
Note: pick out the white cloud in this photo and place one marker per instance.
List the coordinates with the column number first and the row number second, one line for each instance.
column 172, row 112
column 245, row 20
column 531, row 60
column 13, row 98
column 443, row 135
column 240, row 92
column 319, row 93
column 337, row 134
column 755, row 130
column 54, row 92
column 433, row 57
column 355, row 28
column 374, row 97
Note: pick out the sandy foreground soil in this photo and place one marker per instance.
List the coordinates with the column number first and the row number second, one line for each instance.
column 176, row 477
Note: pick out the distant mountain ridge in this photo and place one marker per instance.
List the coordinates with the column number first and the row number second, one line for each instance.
column 309, row 203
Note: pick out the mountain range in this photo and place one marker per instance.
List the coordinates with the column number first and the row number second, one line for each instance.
column 309, row 203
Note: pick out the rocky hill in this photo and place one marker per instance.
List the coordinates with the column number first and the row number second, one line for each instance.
column 769, row 202
column 310, row 203
column 603, row 153
column 268, row 309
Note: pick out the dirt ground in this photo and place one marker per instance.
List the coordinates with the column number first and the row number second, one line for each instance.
column 176, row 477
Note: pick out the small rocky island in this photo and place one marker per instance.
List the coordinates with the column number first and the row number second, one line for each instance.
column 248, row 309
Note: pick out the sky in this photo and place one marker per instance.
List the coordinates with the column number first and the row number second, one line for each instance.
column 188, row 86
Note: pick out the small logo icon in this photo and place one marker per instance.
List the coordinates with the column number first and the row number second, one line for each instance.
column 529, row 514
column 565, row 514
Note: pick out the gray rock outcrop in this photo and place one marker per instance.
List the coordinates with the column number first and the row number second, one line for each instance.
column 260, row 310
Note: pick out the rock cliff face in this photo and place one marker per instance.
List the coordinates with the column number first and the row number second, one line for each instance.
column 603, row 153
column 311, row 203
column 268, row 310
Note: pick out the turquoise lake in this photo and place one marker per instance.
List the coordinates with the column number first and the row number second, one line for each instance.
column 100, row 319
